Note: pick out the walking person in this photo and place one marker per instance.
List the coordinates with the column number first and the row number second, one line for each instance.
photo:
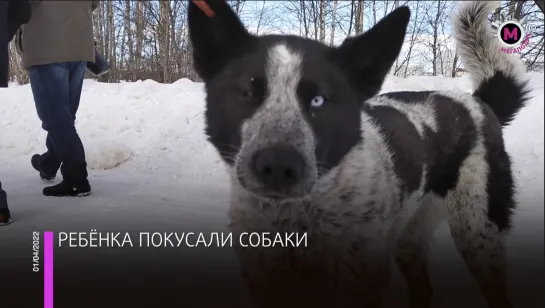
column 13, row 13
column 56, row 46
column 5, row 215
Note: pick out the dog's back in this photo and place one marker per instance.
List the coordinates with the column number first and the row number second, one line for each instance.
column 450, row 145
column 441, row 129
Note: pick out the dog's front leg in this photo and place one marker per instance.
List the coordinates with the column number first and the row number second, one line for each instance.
column 413, row 250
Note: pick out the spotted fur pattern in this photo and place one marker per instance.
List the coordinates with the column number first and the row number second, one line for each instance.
column 380, row 172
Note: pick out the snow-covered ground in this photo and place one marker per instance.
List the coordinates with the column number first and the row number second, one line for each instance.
column 152, row 168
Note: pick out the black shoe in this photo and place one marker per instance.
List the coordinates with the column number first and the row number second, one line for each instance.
column 35, row 161
column 68, row 189
column 5, row 217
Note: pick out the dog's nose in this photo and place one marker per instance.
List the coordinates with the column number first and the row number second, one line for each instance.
column 279, row 167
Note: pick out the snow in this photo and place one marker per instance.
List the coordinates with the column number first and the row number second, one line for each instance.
column 152, row 166
column 107, row 154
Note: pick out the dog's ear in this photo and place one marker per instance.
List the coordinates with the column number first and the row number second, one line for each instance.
column 217, row 36
column 367, row 58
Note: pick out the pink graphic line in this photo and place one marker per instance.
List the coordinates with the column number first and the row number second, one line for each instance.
column 49, row 242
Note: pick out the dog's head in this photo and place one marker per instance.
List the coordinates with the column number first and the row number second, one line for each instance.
column 283, row 111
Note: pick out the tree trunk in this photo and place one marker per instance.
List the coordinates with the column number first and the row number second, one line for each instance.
column 322, row 21
column 333, row 22
column 99, row 27
column 374, row 13
column 315, row 18
column 304, row 16
column 128, row 33
column 351, row 22
column 518, row 10
column 174, row 45
column 359, row 17
column 454, row 64
column 237, row 7
column 164, row 39
column 139, row 34
column 436, row 38
column 111, row 36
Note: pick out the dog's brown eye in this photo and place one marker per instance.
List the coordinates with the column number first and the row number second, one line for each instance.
column 248, row 93
column 252, row 90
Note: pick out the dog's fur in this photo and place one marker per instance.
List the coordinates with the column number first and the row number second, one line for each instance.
column 370, row 176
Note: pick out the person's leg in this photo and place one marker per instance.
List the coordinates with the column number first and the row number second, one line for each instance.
column 47, row 163
column 51, row 86
column 77, row 73
column 5, row 216
column 51, row 160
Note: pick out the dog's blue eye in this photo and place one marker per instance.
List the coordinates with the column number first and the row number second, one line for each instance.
column 317, row 101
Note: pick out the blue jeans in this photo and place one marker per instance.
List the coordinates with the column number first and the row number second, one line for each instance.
column 3, row 198
column 57, row 91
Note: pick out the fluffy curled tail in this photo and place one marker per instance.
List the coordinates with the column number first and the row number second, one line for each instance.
column 499, row 78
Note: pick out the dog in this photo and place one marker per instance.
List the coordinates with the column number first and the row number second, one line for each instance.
column 310, row 147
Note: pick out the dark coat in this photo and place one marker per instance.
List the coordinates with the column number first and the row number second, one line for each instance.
column 13, row 13
column 19, row 12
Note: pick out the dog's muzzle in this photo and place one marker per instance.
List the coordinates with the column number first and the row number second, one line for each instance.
column 280, row 170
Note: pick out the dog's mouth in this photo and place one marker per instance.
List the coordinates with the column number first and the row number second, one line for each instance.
column 276, row 196
column 279, row 197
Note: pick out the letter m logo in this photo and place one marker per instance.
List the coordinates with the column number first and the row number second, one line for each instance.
column 514, row 34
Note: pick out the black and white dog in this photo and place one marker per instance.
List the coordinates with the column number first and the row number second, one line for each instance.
column 311, row 147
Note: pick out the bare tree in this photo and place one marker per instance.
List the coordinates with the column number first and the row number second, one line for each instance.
column 164, row 36
column 434, row 13
column 454, row 65
column 322, row 20
column 359, row 17
column 374, row 12
column 333, row 22
column 415, row 29
column 140, row 24
column 263, row 16
column 149, row 39
column 111, row 54
column 238, row 6
column 304, row 17
column 128, row 33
